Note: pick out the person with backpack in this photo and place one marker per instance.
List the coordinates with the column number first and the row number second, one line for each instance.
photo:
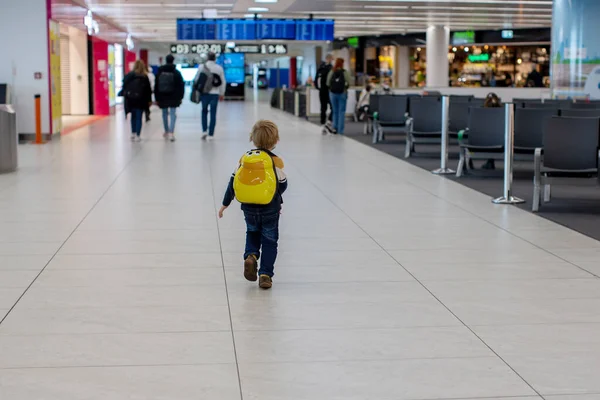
column 169, row 91
column 138, row 94
column 338, row 82
column 321, row 85
column 210, row 84
column 258, row 184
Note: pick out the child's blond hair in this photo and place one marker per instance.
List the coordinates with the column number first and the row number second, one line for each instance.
column 264, row 135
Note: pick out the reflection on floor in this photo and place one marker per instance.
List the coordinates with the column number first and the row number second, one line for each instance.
column 72, row 123
column 118, row 281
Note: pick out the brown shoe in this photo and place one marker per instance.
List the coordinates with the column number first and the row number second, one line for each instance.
column 265, row 282
column 251, row 268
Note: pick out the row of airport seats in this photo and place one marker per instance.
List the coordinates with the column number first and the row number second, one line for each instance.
column 561, row 137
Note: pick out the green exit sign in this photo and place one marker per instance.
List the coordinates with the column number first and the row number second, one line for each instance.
column 479, row 58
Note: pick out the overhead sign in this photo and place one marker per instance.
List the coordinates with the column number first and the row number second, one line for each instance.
column 508, row 34
column 254, row 29
column 465, row 37
column 218, row 48
column 483, row 57
column 91, row 24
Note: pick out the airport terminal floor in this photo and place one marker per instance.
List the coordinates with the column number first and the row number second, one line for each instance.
column 117, row 280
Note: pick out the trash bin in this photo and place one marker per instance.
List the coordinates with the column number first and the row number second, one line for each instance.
column 8, row 139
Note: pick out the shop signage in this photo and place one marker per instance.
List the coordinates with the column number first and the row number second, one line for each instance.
column 465, row 37
column 484, row 57
column 508, row 34
column 217, row 48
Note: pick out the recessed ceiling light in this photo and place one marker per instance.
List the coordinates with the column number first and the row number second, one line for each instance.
column 266, row 1
column 258, row 9
column 252, row 15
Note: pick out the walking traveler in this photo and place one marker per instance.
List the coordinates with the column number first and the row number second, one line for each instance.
column 321, row 85
column 210, row 83
column 169, row 91
column 138, row 95
column 338, row 82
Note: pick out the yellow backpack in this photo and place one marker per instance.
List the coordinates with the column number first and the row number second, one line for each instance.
column 255, row 181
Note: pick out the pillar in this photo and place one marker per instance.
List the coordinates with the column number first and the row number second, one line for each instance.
column 25, row 36
column 575, row 64
column 403, row 66
column 438, row 40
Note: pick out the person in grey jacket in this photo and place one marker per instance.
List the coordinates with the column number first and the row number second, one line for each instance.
column 338, row 82
column 210, row 100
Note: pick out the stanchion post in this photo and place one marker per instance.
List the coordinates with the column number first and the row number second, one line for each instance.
column 38, row 119
column 509, row 134
column 444, row 170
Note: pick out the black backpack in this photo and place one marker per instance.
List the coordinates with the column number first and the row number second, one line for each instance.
column 135, row 89
column 338, row 82
column 166, row 83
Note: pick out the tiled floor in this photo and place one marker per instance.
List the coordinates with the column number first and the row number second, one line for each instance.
column 120, row 283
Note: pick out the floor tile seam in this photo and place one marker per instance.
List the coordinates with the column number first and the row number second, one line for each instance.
column 140, row 253
column 414, row 277
column 132, row 286
column 366, row 360
column 155, row 365
column 137, row 269
column 133, row 157
column 88, row 334
column 467, row 210
column 216, row 216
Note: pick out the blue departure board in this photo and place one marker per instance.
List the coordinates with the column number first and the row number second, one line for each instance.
column 317, row 29
column 281, row 29
column 236, row 29
column 196, row 29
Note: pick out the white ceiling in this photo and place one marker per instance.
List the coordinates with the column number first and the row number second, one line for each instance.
column 154, row 20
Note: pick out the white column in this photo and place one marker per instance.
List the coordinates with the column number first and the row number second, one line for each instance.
column 438, row 40
column 402, row 66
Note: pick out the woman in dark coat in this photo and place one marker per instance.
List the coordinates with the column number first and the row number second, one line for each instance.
column 138, row 96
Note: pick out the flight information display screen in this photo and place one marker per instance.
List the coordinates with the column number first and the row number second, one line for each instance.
column 196, row 29
column 255, row 29
column 317, row 29
column 282, row 29
column 236, row 29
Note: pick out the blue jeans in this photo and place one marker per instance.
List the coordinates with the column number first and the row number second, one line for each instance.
column 262, row 231
column 136, row 121
column 169, row 127
column 212, row 101
column 338, row 107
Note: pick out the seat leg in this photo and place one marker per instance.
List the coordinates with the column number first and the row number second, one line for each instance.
column 409, row 146
column 547, row 193
column 375, row 132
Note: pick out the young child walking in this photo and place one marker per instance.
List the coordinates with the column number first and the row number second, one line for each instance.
column 258, row 184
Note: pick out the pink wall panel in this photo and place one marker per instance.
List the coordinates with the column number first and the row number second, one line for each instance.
column 101, row 94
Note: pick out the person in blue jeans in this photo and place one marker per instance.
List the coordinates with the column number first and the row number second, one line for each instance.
column 210, row 100
column 138, row 95
column 169, row 90
column 262, row 221
column 338, row 82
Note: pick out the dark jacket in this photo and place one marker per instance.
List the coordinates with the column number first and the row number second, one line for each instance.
column 173, row 99
column 146, row 95
column 321, row 78
column 535, row 79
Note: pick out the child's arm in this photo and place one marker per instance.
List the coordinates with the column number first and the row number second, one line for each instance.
column 283, row 183
column 228, row 198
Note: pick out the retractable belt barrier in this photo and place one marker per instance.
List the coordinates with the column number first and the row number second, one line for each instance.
column 444, row 170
